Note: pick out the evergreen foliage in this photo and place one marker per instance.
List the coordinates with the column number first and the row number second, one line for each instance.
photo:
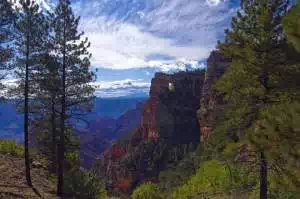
column 292, row 26
column 84, row 184
column 256, row 77
column 7, row 18
column 71, row 53
column 29, row 46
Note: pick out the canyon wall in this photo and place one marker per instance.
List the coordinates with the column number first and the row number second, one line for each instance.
column 172, row 107
column 170, row 119
column 211, row 102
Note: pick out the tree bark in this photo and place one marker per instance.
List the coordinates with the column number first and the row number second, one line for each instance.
column 61, row 155
column 26, row 108
column 53, row 124
column 263, row 176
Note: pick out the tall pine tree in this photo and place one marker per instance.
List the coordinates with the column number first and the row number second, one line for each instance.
column 255, row 80
column 46, row 106
column 7, row 19
column 30, row 39
column 76, row 95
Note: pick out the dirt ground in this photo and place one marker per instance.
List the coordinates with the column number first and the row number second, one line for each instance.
column 13, row 183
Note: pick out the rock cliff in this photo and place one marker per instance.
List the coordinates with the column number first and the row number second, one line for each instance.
column 149, row 127
column 169, row 124
column 211, row 102
column 168, row 119
column 171, row 108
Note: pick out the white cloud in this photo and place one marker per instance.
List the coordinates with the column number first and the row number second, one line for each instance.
column 126, row 83
column 124, row 34
column 213, row 2
column 121, row 88
column 128, row 47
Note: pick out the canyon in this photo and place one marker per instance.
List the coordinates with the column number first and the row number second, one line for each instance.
column 181, row 111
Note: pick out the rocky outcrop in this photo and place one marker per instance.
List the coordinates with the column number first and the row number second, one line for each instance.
column 211, row 103
column 168, row 119
column 171, row 107
column 149, row 127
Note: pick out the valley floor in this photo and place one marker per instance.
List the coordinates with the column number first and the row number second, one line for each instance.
column 13, row 182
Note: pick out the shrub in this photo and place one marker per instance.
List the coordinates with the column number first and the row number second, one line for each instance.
column 84, row 184
column 11, row 147
column 146, row 191
column 212, row 177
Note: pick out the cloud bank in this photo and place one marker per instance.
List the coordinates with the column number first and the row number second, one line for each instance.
column 121, row 88
column 125, row 33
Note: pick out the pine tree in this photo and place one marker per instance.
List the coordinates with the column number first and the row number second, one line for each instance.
column 292, row 26
column 72, row 54
column 29, row 45
column 7, row 18
column 46, row 103
column 256, row 77
column 278, row 130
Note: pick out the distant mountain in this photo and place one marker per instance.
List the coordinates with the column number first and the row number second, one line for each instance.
column 101, row 132
column 11, row 123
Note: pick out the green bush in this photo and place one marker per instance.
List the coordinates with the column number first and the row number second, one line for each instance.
column 146, row 191
column 11, row 147
column 212, row 177
column 84, row 184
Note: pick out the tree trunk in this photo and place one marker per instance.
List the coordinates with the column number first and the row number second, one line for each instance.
column 53, row 124
column 26, row 109
column 61, row 155
column 263, row 176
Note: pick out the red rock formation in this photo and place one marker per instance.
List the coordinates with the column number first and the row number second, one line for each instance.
column 148, row 128
column 211, row 102
column 189, row 84
column 115, row 152
column 205, row 132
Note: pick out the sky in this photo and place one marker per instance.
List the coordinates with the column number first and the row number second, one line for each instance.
column 133, row 39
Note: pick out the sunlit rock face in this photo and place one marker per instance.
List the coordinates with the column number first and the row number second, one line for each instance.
column 149, row 128
column 211, row 102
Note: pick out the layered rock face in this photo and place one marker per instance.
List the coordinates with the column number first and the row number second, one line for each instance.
column 211, row 102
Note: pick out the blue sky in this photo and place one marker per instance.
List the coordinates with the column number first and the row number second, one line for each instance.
column 133, row 39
